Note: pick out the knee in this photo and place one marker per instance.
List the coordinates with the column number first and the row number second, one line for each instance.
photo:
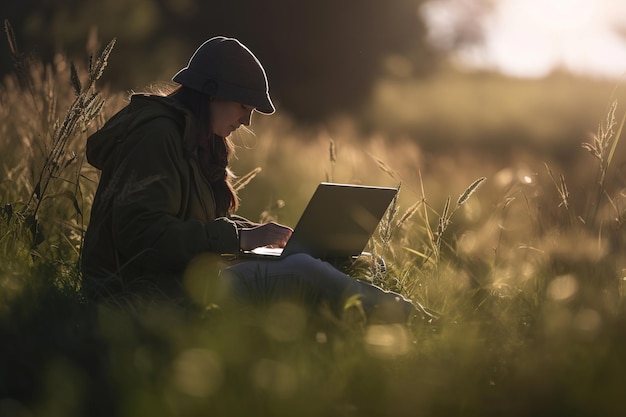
column 305, row 262
column 300, row 257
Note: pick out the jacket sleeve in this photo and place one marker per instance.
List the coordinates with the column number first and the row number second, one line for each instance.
column 146, row 229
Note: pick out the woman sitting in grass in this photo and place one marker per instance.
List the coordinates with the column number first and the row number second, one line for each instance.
column 165, row 197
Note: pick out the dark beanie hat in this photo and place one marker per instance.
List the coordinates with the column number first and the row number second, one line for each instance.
column 224, row 68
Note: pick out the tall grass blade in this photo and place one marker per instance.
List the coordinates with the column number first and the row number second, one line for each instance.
column 332, row 151
column 242, row 182
column 75, row 79
column 102, row 61
column 616, row 138
column 564, row 191
column 410, row 212
column 469, row 191
column 69, row 195
column 13, row 49
column 385, row 168
column 425, row 215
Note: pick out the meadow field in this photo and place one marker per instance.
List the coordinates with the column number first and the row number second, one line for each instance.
column 508, row 232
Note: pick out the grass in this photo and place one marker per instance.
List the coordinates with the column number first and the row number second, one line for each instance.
column 524, row 271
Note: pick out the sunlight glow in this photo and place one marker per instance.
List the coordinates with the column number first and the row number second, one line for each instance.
column 563, row 17
column 531, row 38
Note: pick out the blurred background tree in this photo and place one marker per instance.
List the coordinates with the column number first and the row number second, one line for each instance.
column 322, row 57
column 484, row 74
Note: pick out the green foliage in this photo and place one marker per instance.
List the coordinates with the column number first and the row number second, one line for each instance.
column 603, row 149
column 519, row 303
column 42, row 189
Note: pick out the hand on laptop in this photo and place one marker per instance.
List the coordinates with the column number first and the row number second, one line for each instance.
column 268, row 234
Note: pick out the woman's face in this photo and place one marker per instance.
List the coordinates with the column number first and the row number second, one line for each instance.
column 227, row 116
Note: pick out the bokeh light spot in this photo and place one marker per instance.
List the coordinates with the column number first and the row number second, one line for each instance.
column 197, row 372
column 275, row 377
column 387, row 340
column 562, row 287
column 285, row 322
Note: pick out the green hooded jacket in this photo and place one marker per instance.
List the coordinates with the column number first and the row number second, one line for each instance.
column 153, row 211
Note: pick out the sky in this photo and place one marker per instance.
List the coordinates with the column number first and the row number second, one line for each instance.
column 531, row 38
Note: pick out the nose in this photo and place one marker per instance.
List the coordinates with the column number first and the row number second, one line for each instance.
column 246, row 118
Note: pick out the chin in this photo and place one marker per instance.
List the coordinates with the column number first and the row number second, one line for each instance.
column 226, row 132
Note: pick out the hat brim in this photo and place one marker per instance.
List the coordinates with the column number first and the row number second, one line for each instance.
column 261, row 101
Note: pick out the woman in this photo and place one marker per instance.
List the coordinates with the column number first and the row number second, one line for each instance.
column 165, row 195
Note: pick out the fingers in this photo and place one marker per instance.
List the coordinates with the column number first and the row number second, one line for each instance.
column 269, row 234
column 277, row 234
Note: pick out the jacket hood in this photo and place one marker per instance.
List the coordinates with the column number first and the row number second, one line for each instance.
column 141, row 109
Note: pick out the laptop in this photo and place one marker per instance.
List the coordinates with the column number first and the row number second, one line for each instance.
column 337, row 222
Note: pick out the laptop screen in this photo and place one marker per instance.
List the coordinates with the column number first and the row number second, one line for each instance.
column 339, row 220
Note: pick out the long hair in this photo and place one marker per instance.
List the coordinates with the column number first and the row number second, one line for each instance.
column 216, row 150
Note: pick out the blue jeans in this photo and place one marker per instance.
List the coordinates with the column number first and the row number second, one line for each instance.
column 310, row 281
